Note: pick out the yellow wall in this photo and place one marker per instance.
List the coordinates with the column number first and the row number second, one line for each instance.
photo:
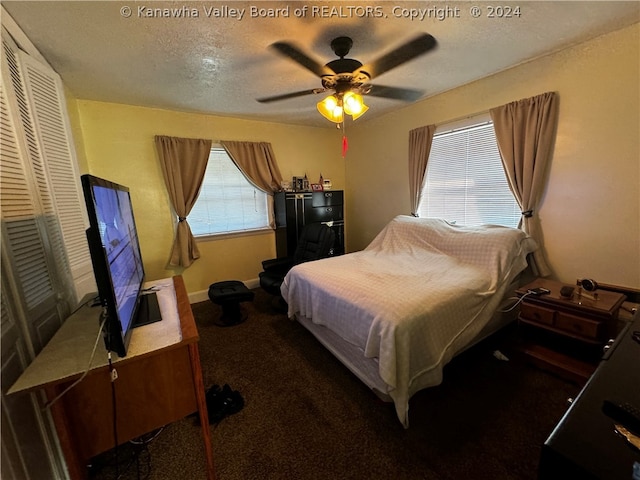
column 117, row 143
column 590, row 212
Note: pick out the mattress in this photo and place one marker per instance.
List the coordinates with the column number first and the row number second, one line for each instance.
column 367, row 368
column 419, row 293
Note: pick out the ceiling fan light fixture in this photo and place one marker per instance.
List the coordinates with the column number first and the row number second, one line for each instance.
column 349, row 78
column 362, row 112
column 334, row 107
column 331, row 109
column 354, row 105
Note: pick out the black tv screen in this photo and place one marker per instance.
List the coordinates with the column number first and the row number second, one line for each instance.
column 117, row 262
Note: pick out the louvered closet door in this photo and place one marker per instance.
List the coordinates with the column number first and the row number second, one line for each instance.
column 35, row 291
column 30, row 239
column 28, row 441
column 56, row 173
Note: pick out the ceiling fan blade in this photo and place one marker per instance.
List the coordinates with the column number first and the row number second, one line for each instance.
column 404, row 94
column 298, row 56
column 410, row 50
column 290, row 95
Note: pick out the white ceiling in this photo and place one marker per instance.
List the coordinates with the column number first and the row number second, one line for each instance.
column 221, row 65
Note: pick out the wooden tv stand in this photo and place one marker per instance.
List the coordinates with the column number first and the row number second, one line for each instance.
column 159, row 381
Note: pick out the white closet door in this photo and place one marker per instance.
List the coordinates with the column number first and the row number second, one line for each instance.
column 31, row 312
column 58, row 167
column 31, row 239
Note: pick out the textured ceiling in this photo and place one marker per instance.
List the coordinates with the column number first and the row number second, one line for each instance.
column 215, row 59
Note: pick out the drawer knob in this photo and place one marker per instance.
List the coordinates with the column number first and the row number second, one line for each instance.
column 609, row 344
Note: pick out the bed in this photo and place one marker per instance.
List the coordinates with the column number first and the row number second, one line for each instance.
column 398, row 311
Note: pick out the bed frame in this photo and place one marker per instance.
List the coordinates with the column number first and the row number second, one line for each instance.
column 366, row 369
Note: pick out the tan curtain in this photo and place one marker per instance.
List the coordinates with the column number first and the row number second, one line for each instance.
column 525, row 131
column 257, row 162
column 420, row 140
column 183, row 161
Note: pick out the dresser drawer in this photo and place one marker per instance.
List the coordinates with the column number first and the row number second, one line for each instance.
column 328, row 198
column 534, row 313
column 325, row 214
column 579, row 326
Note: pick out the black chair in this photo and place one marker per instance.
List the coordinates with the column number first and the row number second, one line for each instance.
column 315, row 242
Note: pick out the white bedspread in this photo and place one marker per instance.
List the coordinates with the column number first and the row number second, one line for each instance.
column 420, row 292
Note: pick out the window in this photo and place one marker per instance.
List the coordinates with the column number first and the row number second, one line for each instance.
column 228, row 202
column 465, row 182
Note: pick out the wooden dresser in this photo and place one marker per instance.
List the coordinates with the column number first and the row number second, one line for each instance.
column 566, row 334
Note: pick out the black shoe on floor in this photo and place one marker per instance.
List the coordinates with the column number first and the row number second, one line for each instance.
column 222, row 402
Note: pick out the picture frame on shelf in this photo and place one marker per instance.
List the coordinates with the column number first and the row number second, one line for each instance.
column 317, row 187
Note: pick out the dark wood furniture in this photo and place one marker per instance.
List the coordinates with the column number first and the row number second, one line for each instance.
column 566, row 334
column 159, row 381
column 293, row 210
column 584, row 444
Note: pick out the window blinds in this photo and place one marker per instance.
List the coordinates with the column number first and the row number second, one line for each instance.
column 465, row 181
column 227, row 201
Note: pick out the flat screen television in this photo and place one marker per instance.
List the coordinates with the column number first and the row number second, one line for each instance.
column 117, row 262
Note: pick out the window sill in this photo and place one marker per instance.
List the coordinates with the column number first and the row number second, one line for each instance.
column 240, row 233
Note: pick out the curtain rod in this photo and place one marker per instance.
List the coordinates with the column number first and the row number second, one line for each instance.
column 464, row 117
column 459, row 124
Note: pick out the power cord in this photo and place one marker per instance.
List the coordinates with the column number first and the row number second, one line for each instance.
column 146, row 441
column 518, row 302
column 103, row 319
column 135, row 452
column 92, row 298
column 122, row 466
column 141, row 444
column 114, row 375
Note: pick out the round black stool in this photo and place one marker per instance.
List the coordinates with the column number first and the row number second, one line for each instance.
column 228, row 295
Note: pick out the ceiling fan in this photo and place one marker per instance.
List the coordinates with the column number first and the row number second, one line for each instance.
column 346, row 76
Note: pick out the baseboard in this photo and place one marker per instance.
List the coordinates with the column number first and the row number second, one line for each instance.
column 203, row 295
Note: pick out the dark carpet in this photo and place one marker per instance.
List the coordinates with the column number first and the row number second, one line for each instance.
column 307, row 417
